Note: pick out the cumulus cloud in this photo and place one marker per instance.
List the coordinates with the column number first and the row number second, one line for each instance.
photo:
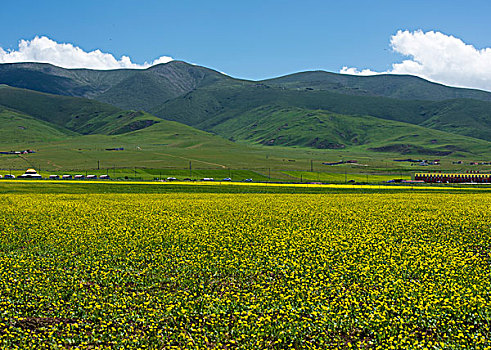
column 355, row 71
column 66, row 55
column 438, row 57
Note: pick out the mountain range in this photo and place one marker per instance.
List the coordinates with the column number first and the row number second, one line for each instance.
column 385, row 113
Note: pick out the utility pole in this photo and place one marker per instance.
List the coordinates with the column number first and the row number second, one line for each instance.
column 190, row 169
column 98, row 165
column 345, row 176
column 311, row 165
column 269, row 173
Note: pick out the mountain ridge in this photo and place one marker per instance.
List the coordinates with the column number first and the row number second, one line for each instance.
column 204, row 108
column 122, row 101
column 399, row 86
column 90, row 82
column 173, row 78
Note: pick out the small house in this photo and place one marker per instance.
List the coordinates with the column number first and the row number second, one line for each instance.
column 31, row 174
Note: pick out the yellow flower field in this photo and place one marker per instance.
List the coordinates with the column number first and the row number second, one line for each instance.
column 249, row 271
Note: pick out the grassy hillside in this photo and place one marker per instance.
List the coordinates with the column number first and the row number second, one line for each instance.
column 465, row 117
column 47, row 78
column 17, row 128
column 292, row 126
column 82, row 116
column 198, row 108
column 243, row 125
column 146, row 88
column 205, row 108
column 203, row 98
column 61, row 122
column 162, row 145
column 71, row 113
column 125, row 88
column 147, row 141
column 403, row 87
column 171, row 147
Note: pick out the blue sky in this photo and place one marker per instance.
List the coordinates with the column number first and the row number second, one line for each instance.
column 248, row 39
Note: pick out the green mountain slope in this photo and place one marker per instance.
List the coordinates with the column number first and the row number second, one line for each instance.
column 147, row 88
column 125, row 88
column 47, row 78
column 405, row 87
column 173, row 145
column 291, row 126
column 208, row 107
column 201, row 97
column 17, row 128
column 162, row 145
column 200, row 107
column 143, row 90
column 66, row 126
column 82, row 116
column 461, row 116
column 68, row 112
column 311, row 110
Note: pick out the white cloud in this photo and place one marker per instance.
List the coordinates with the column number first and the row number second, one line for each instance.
column 438, row 57
column 45, row 50
column 355, row 71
